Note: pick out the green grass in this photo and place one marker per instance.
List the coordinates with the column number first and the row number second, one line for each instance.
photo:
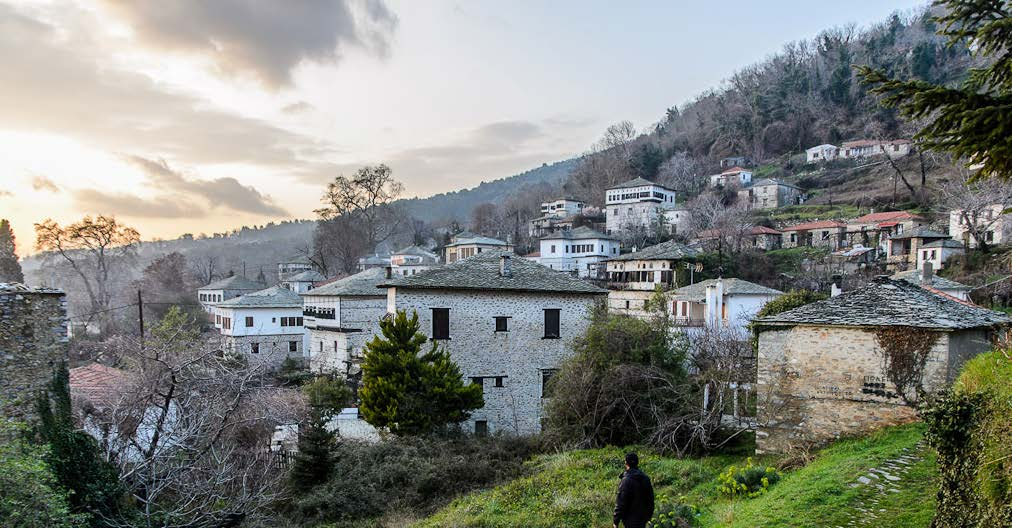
column 577, row 488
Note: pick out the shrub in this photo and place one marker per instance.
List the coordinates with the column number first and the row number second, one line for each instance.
column 748, row 481
column 670, row 514
column 30, row 496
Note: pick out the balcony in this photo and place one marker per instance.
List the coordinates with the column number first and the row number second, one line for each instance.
column 319, row 313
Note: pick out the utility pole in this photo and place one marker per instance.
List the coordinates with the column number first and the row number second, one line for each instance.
column 140, row 313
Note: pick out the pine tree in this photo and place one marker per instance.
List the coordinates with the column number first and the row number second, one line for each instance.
column 10, row 269
column 973, row 121
column 314, row 460
column 409, row 391
column 75, row 457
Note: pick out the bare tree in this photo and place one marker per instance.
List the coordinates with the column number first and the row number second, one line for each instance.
column 367, row 196
column 206, row 269
column 681, row 172
column 485, row 219
column 977, row 202
column 606, row 165
column 725, row 227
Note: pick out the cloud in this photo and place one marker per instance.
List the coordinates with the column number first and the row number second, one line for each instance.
column 223, row 192
column 6, row 194
column 265, row 40
column 42, row 183
column 95, row 201
column 297, row 107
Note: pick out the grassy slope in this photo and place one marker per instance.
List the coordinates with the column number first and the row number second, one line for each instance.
column 577, row 489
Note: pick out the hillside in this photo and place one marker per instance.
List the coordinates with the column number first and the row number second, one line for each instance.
column 839, row 487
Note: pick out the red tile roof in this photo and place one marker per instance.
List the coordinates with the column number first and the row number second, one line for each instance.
column 98, row 383
column 734, row 170
column 823, row 224
column 873, row 218
column 763, row 230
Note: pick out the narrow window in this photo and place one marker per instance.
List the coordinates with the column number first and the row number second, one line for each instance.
column 546, row 378
column 480, row 428
column 298, row 321
column 293, row 346
column 498, row 381
column 502, row 324
column 551, row 323
column 254, row 348
column 478, row 380
column 440, row 323
column 249, row 322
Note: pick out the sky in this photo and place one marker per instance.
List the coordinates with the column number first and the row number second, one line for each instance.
column 191, row 116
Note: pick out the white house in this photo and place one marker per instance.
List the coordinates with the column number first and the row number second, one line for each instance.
column 636, row 204
column 824, row 152
column 341, row 316
column 508, row 323
column 562, row 207
column 864, row 148
column 225, row 289
column 266, row 324
column 998, row 226
column 732, row 176
column 633, row 277
column 577, row 251
column 719, row 303
column 293, row 265
column 467, row 244
column 926, row 277
column 412, row 259
column 939, row 251
column 302, row 281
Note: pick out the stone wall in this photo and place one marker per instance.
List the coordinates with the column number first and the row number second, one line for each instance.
column 336, row 344
column 33, row 340
column 274, row 349
column 816, row 384
column 519, row 356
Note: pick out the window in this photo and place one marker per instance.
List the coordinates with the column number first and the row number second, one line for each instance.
column 440, row 323
column 498, row 381
column 553, row 248
column 502, row 324
column 627, row 305
column 480, row 428
column 217, row 319
column 249, row 322
column 254, row 348
column 546, row 378
column 551, row 323
column 293, row 346
column 478, row 380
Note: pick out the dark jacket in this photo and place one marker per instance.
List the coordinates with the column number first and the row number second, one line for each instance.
column 634, row 505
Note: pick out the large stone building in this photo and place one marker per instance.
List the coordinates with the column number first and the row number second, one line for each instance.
column 341, row 316
column 820, row 366
column 829, row 234
column 507, row 322
column 873, row 229
column 33, row 341
column 634, row 277
column 580, row 251
column 770, row 194
column 264, row 326
column 636, row 205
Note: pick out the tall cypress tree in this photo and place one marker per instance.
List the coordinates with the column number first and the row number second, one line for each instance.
column 10, row 269
column 314, row 460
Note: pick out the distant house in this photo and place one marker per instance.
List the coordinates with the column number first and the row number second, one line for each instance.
column 719, row 303
column 771, row 194
column 293, row 265
column 264, row 326
column 999, row 226
column 873, row 229
column 732, row 176
column 902, row 251
column 508, row 323
column 677, row 219
column 735, row 161
column 825, row 233
column 579, row 251
column 468, row 244
column 824, row 152
column 937, row 252
column 760, row 238
column 925, row 277
column 855, row 258
column 864, row 148
column 411, row 260
column 562, row 207
column 637, row 204
column 225, row 289
column 547, row 224
column 340, row 317
column 373, row 261
column 633, row 277
column 821, row 373
column 303, row 281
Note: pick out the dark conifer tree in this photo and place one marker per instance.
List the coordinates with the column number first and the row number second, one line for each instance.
column 10, row 269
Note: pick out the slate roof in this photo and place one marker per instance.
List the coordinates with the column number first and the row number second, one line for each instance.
column 580, row 233
column 274, row 297
column 636, row 182
column 669, row 250
column 362, row 284
column 697, row 292
column 939, row 283
column 416, row 251
column 481, row 272
column 922, row 232
column 888, row 302
column 948, row 242
column 306, row 276
column 235, row 282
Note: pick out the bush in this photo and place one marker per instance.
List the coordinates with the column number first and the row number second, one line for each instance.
column 29, row 493
column 748, row 481
column 674, row 514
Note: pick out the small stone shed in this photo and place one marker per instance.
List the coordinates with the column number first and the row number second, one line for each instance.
column 821, row 371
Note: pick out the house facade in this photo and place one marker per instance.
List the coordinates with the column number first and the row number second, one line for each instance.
column 827, row 233
column 677, row 220
column 579, row 251
column 937, row 252
column 999, row 226
column 634, row 277
column 412, row 259
column 465, row 245
column 902, row 251
column 872, row 229
column 508, row 323
column 719, row 304
column 758, row 238
column 733, row 176
column 819, row 153
column 225, row 289
column 303, row 281
column 264, row 326
column 636, row 205
column 771, row 194
column 864, row 148
column 340, row 317
column 293, row 265
column 33, row 339
column 562, row 207
column 820, row 366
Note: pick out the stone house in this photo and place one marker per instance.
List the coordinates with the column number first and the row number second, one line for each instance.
column 872, row 229
column 562, row 207
column 302, row 281
column 903, row 250
column 819, row 153
column 758, row 238
column 826, row 233
column 508, row 323
column 820, row 367
column 719, row 303
column 769, row 193
column 735, row 161
column 224, row 290
column 999, row 226
column 33, row 340
column 863, row 148
column 633, row 277
column 340, row 317
column 637, row 204
column 412, row 259
column 292, row 266
column 735, row 176
column 468, row 244
column 579, row 251
column 676, row 220
column 264, row 326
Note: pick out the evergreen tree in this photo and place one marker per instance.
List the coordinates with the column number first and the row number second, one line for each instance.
column 315, row 458
column 410, row 391
column 10, row 269
column 973, row 121
column 75, row 457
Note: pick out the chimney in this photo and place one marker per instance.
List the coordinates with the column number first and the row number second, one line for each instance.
column 834, row 290
column 390, row 271
column 714, row 300
column 927, row 273
column 504, row 266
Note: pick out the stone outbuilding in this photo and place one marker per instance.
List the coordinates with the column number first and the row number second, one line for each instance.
column 821, row 371
column 507, row 322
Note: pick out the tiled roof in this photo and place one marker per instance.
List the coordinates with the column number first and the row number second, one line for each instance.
column 669, row 250
column 874, row 218
column 363, row 284
column 941, row 283
column 274, row 297
column 947, row 242
column 822, row 147
column 697, row 292
column 763, row 230
column 98, row 383
column 888, row 302
column 823, row 224
column 235, row 282
column 580, row 233
column 481, row 272
column 636, row 182
column 922, row 232
column 306, row 276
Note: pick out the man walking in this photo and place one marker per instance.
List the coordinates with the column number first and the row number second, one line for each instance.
column 634, row 506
